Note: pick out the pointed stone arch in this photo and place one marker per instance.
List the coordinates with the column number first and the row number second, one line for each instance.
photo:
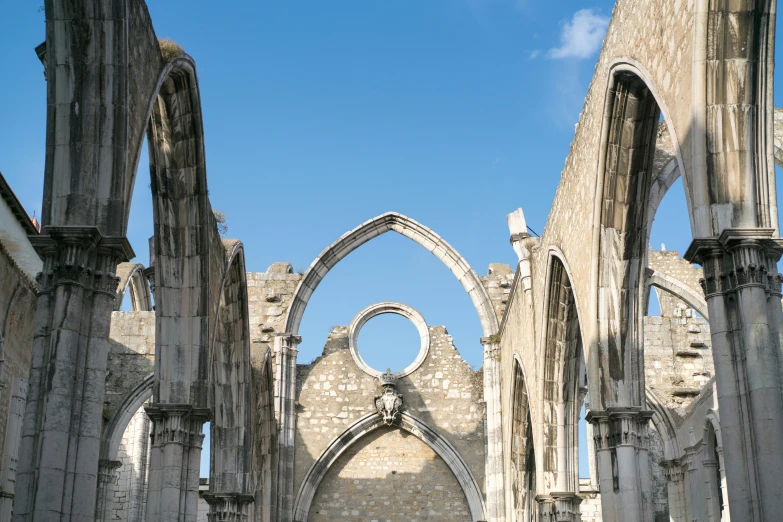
column 132, row 279
column 669, row 284
column 521, row 449
column 562, row 391
column 392, row 221
column 232, row 397
column 370, row 423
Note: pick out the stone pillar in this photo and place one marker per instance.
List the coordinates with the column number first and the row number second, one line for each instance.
column 175, row 456
column 591, row 459
column 559, row 507
column 742, row 287
column 521, row 242
column 107, row 480
column 711, row 488
column 693, row 482
column 61, row 435
column 228, row 507
column 10, row 456
column 724, row 494
column 285, row 353
column 494, row 430
column 621, row 442
column 676, row 494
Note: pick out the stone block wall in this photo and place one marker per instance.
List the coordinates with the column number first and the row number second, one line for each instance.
column 332, row 393
column 17, row 316
column 131, row 355
column 130, row 492
column 498, row 283
column 677, row 358
column 389, row 475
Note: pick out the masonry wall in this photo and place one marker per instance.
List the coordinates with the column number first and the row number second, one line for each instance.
column 443, row 392
column 389, row 475
column 677, row 358
column 131, row 360
column 17, row 317
column 130, row 493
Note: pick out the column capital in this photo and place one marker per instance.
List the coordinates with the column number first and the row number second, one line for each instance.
column 559, row 507
column 107, row 470
column 69, row 255
column 177, row 424
column 672, row 469
column 620, row 426
column 229, row 507
column 288, row 338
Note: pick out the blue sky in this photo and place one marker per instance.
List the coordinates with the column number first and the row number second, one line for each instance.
column 321, row 115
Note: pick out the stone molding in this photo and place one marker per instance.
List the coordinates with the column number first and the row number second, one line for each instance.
column 388, row 307
column 68, row 255
column 620, row 426
column 177, row 424
column 559, row 507
column 404, row 225
column 370, row 423
column 228, row 507
column 737, row 259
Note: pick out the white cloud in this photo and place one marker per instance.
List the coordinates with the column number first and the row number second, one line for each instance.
column 581, row 36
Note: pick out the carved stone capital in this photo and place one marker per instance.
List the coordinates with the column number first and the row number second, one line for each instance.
column 286, row 343
column 149, row 273
column 228, row 507
column 738, row 258
column 107, row 471
column 619, row 426
column 79, row 256
column 177, row 424
column 559, row 507
column 672, row 469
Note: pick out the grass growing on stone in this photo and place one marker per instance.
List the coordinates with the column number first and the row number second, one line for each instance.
column 169, row 49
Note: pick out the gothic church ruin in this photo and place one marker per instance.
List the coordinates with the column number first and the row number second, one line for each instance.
column 102, row 411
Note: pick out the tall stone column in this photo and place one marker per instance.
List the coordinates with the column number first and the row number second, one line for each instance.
column 742, row 287
column 285, row 353
column 228, row 507
column 559, row 507
column 61, row 434
column 621, row 444
column 175, row 456
column 494, row 429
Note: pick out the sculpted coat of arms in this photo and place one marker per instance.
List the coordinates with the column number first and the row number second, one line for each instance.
column 389, row 404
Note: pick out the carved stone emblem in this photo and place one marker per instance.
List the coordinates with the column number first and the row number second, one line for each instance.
column 389, row 403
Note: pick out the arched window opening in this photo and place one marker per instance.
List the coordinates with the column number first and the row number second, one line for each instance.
column 523, row 458
column 389, row 268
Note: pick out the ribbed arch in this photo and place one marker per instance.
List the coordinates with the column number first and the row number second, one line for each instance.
column 563, row 381
column 522, row 449
column 132, row 279
column 232, row 455
column 392, row 221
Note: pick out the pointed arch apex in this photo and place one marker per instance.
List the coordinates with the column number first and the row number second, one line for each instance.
column 413, row 230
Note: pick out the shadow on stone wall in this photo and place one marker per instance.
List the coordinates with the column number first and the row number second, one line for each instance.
column 389, row 474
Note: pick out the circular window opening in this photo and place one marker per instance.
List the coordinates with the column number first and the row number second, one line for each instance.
column 390, row 341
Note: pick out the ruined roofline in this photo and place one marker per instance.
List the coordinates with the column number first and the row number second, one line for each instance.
column 16, row 207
